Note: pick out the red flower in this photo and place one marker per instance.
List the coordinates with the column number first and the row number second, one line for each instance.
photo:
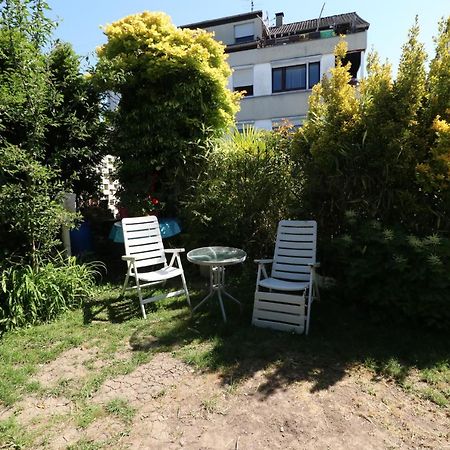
column 155, row 201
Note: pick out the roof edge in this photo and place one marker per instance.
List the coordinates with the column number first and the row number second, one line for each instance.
column 224, row 20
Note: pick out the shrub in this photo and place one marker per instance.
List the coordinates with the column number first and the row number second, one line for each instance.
column 74, row 138
column 173, row 96
column 246, row 187
column 402, row 274
column 380, row 148
column 31, row 209
column 32, row 295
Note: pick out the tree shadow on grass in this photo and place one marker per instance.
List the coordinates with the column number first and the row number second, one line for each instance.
column 341, row 337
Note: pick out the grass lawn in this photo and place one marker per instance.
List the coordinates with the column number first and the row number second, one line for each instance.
column 342, row 338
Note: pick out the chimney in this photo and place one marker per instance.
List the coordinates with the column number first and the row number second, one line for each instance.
column 279, row 19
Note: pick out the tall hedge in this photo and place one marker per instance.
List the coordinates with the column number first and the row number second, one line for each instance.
column 173, row 93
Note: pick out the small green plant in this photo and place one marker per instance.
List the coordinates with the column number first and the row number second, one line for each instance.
column 210, row 405
column 29, row 295
column 12, row 435
column 435, row 396
column 120, row 408
column 89, row 414
column 85, row 444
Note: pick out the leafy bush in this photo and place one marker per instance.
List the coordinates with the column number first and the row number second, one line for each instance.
column 402, row 274
column 380, row 148
column 246, row 187
column 173, row 96
column 31, row 209
column 74, row 138
column 32, row 295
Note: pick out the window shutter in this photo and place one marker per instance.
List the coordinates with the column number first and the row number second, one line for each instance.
column 243, row 30
column 243, row 77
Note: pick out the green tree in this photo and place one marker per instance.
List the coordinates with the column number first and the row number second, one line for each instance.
column 359, row 147
column 433, row 173
column 31, row 212
column 31, row 208
column 74, row 138
column 25, row 94
column 173, row 96
column 376, row 163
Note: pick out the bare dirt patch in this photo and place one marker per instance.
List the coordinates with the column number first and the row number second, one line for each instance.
column 177, row 407
column 356, row 412
column 69, row 365
column 147, row 382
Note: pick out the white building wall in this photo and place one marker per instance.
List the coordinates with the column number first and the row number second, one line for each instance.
column 262, row 79
column 326, row 63
column 361, row 72
column 263, row 124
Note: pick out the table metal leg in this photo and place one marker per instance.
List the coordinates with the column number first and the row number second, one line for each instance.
column 217, row 284
column 219, row 293
column 203, row 301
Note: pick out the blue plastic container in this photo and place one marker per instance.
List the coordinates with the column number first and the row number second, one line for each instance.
column 81, row 239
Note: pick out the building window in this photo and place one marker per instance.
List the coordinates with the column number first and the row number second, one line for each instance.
column 293, row 78
column 292, row 122
column 244, row 33
column 289, row 78
column 354, row 58
column 243, row 81
column 241, row 126
column 245, row 90
column 313, row 74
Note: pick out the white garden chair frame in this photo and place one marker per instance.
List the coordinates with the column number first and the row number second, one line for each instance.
column 283, row 301
column 144, row 249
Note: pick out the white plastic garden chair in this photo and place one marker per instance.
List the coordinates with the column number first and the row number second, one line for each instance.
column 283, row 300
column 144, row 250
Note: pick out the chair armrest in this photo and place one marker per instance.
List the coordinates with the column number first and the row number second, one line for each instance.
column 263, row 261
column 315, row 265
column 174, row 250
column 128, row 258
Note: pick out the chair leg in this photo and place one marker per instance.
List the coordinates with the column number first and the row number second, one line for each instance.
column 186, row 290
column 125, row 284
column 142, row 305
column 308, row 311
column 316, row 290
column 138, row 287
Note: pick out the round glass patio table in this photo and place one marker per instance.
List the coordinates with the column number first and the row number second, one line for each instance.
column 217, row 258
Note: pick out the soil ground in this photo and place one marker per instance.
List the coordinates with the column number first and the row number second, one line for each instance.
column 176, row 406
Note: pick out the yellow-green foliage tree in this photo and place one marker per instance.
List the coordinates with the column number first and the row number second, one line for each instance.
column 380, row 149
column 173, row 96
column 376, row 175
column 433, row 173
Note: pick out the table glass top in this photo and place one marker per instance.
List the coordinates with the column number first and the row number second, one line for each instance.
column 209, row 256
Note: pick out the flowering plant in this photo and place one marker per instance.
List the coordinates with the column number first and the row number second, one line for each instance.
column 152, row 205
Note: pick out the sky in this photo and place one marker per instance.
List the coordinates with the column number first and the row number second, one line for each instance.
column 80, row 21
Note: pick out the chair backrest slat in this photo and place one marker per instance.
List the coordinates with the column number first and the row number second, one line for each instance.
column 295, row 250
column 143, row 241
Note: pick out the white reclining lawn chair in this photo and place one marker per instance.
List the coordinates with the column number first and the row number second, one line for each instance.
column 144, row 249
column 283, row 300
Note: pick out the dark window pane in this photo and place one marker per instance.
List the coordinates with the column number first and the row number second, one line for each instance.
column 242, row 39
column 314, row 74
column 277, row 80
column 355, row 59
column 246, row 90
column 295, row 77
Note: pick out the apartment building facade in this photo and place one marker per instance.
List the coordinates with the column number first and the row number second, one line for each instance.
column 276, row 67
